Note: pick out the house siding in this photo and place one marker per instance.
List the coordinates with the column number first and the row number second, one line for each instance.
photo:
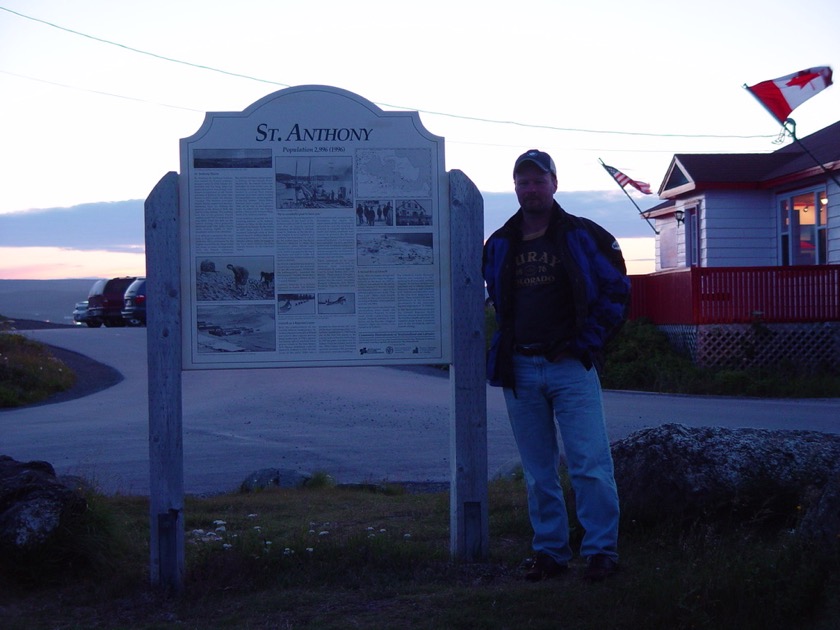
column 833, row 253
column 739, row 229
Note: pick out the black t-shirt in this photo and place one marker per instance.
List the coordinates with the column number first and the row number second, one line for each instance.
column 543, row 294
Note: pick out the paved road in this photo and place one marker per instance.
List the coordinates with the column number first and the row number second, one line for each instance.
column 361, row 424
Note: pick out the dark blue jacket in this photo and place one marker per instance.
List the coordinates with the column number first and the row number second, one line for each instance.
column 591, row 257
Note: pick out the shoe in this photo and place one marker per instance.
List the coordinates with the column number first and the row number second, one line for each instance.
column 599, row 568
column 544, row 567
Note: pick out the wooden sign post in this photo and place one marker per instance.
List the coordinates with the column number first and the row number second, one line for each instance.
column 438, row 239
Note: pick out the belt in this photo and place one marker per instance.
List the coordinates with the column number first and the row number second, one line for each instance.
column 533, row 349
column 548, row 350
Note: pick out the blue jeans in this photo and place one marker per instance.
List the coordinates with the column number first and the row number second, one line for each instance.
column 565, row 392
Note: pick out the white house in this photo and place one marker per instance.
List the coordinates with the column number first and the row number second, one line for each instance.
column 748, row 256
column 745, row 209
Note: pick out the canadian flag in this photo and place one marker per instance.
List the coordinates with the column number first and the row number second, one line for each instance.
column 781, row 96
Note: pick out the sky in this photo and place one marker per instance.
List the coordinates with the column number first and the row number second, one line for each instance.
column 96, row 93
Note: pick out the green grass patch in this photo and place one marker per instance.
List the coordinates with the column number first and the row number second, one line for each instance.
column 28, row 372
column 331, row 558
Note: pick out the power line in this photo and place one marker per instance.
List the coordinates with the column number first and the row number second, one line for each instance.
column 398, row 107
column 143, row 52
column 99, row 92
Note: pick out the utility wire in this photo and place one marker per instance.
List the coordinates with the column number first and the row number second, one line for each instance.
column 101, row 93
column 143, row 52
column 398, row 107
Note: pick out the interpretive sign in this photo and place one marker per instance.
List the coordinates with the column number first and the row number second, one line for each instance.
column 314, row 231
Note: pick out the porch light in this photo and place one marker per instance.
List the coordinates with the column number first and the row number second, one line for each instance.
column 679, row 215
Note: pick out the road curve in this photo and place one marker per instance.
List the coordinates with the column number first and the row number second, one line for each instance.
column 359, row 424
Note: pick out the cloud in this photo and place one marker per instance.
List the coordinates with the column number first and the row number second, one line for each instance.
column 107, row 239
column 113, row 226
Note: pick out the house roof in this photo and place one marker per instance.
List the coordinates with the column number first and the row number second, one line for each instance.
column 691, row 172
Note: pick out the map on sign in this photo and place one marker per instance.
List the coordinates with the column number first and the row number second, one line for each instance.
column 403, row 172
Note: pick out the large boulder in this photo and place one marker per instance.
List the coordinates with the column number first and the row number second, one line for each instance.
column 33, row 504
column 821, row 523
column 674, row 472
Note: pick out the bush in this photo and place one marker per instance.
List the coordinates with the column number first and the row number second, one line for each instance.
column 641, row 358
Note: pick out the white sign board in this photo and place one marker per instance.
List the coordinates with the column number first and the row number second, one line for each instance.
column 314, row 232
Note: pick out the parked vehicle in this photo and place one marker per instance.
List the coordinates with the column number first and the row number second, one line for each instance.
column 134, row 303
column 80, row 312
column 105, row 302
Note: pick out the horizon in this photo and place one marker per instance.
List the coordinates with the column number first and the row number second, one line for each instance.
column 107, row 239
column 93, row 265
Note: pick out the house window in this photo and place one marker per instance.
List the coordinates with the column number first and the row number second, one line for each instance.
column 803, row 235
column 692, row 237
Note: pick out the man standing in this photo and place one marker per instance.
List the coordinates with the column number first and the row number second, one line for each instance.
column 559, row 287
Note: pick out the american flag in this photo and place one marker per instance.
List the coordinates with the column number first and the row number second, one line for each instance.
column 623, row 180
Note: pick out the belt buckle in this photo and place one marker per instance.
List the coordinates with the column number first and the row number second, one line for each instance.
column 532, row 349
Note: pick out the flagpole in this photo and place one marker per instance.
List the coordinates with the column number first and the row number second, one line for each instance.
column 790, row 126
column 766, row 109
column 655, row 231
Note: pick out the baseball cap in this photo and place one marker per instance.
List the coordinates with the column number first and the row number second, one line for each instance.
column 540, row 158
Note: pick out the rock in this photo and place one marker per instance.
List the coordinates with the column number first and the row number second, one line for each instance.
column 33, row 504
column 821, row 523
column 674, row 472
column 273, row 478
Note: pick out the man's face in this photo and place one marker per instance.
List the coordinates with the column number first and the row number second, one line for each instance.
column 534, row 188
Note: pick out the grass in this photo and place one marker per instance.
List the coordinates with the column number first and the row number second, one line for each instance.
column 332, row 558
column 28, row 372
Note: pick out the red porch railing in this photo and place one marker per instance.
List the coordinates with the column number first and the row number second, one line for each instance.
column 727, row 295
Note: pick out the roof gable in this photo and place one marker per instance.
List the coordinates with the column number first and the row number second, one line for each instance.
column 697, row 171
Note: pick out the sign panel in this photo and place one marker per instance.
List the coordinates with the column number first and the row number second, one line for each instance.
column 314, row 232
